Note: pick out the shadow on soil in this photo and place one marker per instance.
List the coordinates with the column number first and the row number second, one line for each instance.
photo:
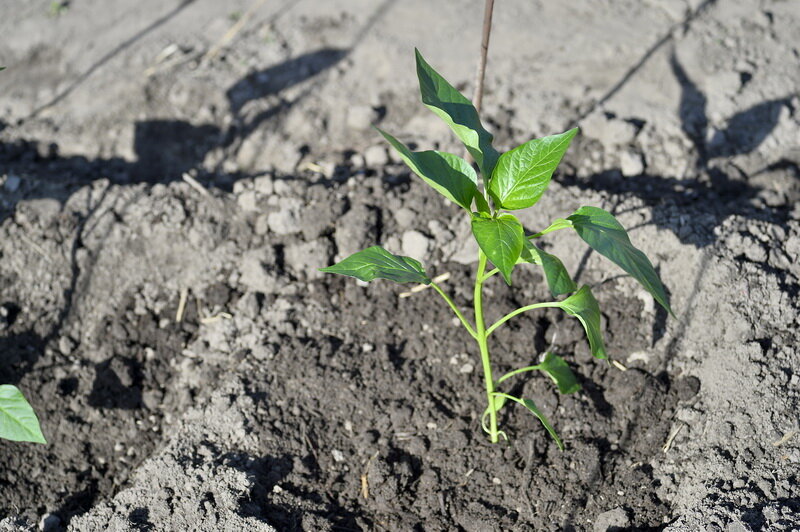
column 267, row 473
column 694, row 206
column 165, row 150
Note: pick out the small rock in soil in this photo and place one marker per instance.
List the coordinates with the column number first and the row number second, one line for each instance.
column 264, row 185
column 405, row 217
column 376, row 156
column 286, row 221
column 630, row 163
column 254, row 274
column 360, row 117
column 305, row 258
column 247, row 201
column 612, row 520
column 355, row 231
column 415, row 244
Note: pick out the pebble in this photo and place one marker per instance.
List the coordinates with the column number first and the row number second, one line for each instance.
column 630, row 163
column 254, row 274
column 612, row 520
column 360, row 117
column 240, row 186
column 610, row 132
column 357, row 161
column 264, row 185
column 261, row 225
column 376, row 156
column 300, row 256
column 65, row 345
column 247, row 201
column 415, row 244
column 405, row 217
column 338, row 456
column 284, row 222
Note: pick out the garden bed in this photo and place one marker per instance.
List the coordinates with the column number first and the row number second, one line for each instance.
column 192, row 368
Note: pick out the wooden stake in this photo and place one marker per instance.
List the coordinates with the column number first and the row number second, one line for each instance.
column 477, row 99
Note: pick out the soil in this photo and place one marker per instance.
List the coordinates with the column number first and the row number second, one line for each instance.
column 193, row 370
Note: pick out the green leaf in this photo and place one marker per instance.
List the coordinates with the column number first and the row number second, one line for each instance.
column 481, row 205
column 501, row 239
column 377, row 263
column 583, row 306
column 459, row 113
column 558, row 278
column 606, row 235
column 449, row 174
column 522, row 174
column 558, row 370
column 18, row 422
column 530, row 405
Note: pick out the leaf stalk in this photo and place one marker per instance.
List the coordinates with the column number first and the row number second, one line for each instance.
column 457, row 311
column 520, row 310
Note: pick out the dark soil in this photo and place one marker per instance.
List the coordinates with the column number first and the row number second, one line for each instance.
column 372, row 402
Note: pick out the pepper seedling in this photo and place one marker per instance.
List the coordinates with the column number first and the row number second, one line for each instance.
column 511, row 181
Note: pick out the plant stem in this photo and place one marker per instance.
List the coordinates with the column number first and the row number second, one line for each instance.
column 520, row 310
column 453, row 306
column 481, row 335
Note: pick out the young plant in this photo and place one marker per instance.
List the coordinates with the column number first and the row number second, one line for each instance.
column 512, row 181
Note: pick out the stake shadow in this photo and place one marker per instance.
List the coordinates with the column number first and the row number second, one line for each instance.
column 165, row 150
column 694, row 206
column 263, row 504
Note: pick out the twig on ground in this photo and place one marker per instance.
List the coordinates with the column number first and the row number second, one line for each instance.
column 365, row 477
column 421, row 287
column 181, row 305
column 233, row 30
column 671, row 437
column 220, row 316
column 785, row 438
column 192, row 182
column 37, row 248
